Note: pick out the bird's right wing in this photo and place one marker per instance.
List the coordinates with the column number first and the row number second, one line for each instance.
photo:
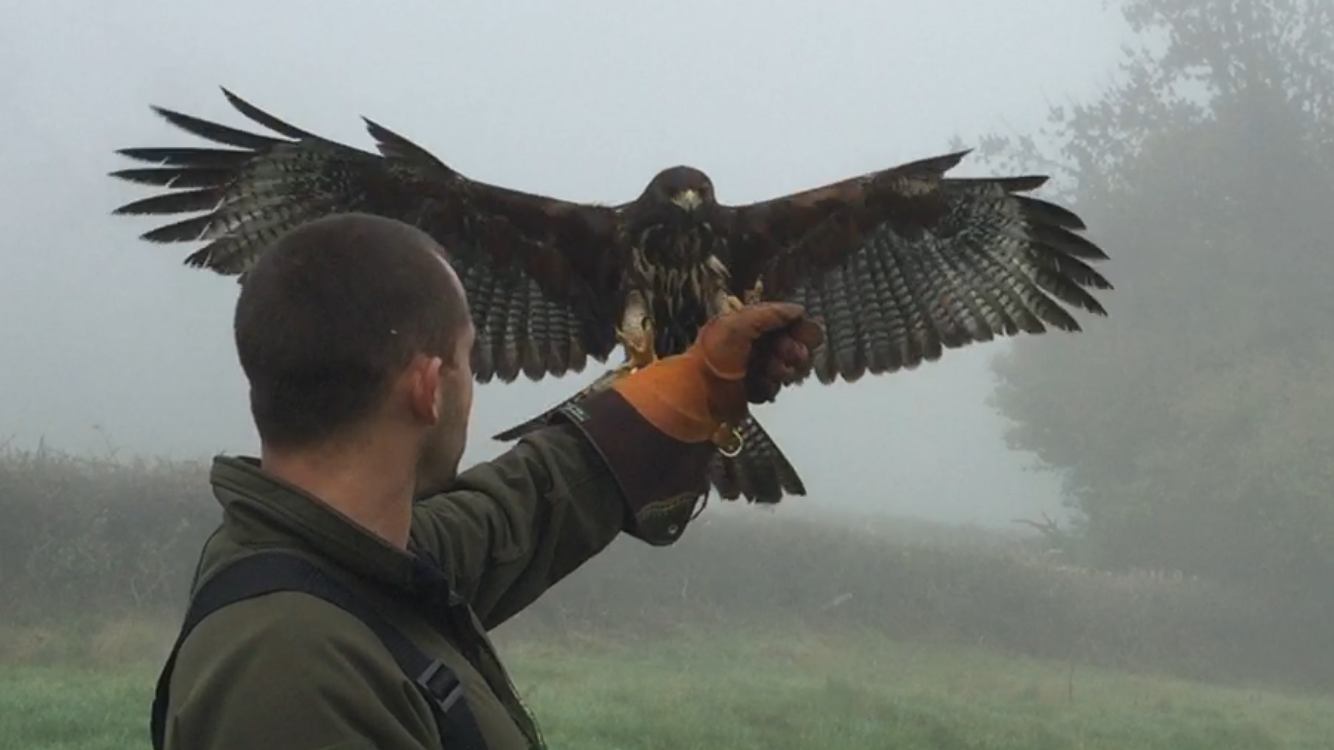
column 541, row 274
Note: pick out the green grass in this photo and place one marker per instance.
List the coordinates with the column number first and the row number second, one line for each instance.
column 773, row 691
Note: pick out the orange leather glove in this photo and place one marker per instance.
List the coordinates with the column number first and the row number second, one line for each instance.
column 738, row 358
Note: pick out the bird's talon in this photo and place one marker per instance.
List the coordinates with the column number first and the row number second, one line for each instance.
column 639, row 349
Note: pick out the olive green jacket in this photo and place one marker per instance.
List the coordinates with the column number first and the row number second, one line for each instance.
column 289, row 671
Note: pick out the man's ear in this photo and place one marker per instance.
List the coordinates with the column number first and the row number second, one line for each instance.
column 425, row 379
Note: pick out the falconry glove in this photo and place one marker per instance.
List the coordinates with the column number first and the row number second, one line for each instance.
column 739, row 358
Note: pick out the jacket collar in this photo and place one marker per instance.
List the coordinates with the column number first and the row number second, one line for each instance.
column 263, row 510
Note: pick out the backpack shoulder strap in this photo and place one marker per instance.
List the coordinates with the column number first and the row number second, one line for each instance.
column 268, row 572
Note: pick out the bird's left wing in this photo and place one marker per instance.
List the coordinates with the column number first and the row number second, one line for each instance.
column 541, row 274
column 904, row 263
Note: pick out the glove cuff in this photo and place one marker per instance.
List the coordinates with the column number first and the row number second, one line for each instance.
column 661, row 478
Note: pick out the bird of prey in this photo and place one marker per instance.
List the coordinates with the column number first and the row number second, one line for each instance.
column 898, row 265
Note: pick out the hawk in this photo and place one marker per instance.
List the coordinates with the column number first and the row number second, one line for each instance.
column 898, row 265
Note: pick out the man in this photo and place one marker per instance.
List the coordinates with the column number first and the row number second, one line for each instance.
column 354, row 334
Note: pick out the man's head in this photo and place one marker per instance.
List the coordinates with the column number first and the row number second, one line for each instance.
column 353, row 329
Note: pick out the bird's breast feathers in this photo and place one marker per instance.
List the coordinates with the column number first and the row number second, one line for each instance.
column 677, row 286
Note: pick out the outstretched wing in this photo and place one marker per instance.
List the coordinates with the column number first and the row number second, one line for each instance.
column 904, row 263
column 541, row 274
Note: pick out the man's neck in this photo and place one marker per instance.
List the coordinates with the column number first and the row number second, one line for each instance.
column 360, row 483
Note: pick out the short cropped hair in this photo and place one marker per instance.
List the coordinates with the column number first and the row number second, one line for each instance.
column 330, row 313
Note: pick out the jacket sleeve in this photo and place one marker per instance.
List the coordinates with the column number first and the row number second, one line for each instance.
column 511, row 528
column 247, row 679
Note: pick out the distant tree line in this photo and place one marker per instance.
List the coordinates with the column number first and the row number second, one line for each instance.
column 1194, row 428
column 84, row 542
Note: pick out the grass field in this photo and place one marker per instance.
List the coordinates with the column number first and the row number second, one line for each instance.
column 732, row 691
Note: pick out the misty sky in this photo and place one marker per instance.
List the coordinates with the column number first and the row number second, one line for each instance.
column 108, row 337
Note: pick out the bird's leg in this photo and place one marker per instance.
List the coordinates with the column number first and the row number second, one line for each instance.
column 724, row 302
column 636, row 336
column 728, row 438
column 638, row 344
column 755, row 294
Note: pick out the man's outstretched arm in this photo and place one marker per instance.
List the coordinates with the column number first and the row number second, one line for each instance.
column 511, row 528
column 633, row 458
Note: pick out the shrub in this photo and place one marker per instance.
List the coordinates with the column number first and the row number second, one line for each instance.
column 86, row 540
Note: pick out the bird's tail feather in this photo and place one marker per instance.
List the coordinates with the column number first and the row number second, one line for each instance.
column 760, row 473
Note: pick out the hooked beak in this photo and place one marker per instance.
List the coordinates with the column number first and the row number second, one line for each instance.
column 687, row 200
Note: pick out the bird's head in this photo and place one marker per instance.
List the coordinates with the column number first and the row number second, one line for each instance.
column 685, row 188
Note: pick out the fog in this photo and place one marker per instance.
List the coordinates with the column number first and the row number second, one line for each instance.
column 111, row 341
column 1185, row 603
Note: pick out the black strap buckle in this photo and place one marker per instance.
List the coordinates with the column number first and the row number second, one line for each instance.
column 441, row 684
